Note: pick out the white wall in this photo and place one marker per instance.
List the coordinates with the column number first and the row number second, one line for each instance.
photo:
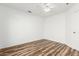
column 60, row 27
column 55, row 28
column 17, row 27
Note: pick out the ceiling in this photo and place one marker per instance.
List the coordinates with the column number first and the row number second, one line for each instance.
column 36, row 8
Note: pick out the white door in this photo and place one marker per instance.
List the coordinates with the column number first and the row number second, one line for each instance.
column 74, row 30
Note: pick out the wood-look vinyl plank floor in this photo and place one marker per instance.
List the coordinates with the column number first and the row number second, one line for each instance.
column 39, row 48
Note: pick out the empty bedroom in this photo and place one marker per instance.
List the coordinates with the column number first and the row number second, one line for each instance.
column 39, row 29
